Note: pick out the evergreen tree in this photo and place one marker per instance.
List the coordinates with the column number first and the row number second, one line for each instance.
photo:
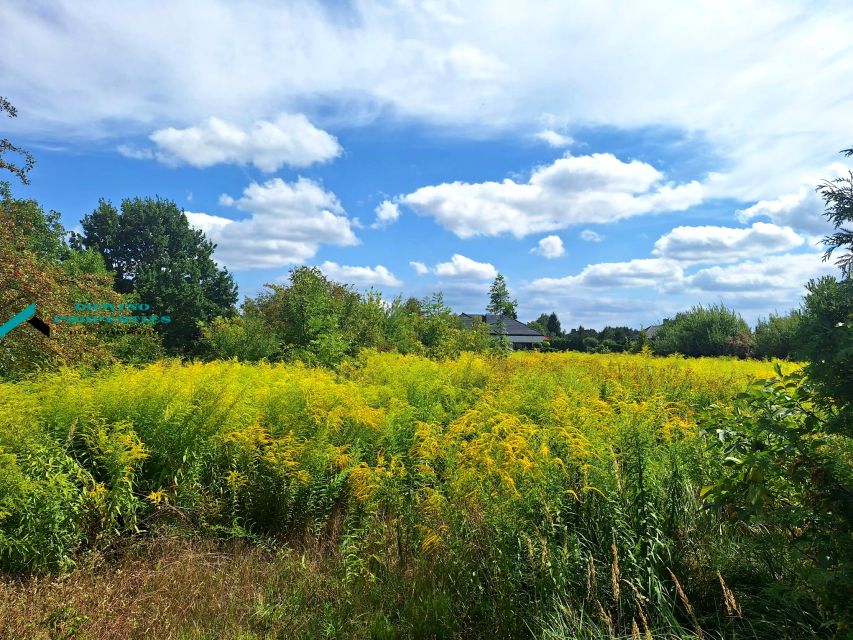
column 500, row 303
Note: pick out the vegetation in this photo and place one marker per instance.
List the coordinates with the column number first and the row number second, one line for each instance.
column 344, row 466
column 154, row 253
column 457, row 498
column 19, row 170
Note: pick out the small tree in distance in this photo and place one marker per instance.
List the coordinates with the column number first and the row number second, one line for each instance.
column 500, row 303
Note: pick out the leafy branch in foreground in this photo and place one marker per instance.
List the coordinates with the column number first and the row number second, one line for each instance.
column 6, row 146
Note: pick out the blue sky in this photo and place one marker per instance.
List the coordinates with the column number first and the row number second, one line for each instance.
column 615, row 162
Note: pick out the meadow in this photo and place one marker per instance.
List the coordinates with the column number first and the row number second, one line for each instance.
column 535, row 495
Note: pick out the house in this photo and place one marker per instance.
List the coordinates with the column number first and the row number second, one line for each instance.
column 519, row 334
column 652, row 330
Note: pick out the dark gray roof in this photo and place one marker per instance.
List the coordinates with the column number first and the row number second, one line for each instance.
column 511, row 327
column 652, row 330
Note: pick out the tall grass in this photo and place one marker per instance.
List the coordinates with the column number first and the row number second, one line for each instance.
column 552, row 495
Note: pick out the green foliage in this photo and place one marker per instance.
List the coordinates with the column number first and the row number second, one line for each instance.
column 43, row 231
column 776, row 337
column 785, row 471
column 153, row 252
column 245, row 337
column 19, row 170
column 479, row 490
column 500, row 303
column 825, row 339
column 704, row 331
column 838, row 197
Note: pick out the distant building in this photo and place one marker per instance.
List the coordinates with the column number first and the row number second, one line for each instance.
column 652, row 330
column 519, row 334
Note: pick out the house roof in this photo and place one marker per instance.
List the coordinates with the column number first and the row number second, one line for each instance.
column 511, row 327
column 652, row 330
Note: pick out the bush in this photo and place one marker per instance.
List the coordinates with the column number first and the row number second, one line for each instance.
column 246, row 337
column 825, row 339
column 704, row 331
column 776, row 337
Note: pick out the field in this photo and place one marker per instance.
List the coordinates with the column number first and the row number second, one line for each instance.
column 532, row 496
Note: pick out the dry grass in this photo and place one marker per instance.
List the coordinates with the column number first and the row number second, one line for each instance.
column 173, row 588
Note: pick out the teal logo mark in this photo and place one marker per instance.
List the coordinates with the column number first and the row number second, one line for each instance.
column 27, row 315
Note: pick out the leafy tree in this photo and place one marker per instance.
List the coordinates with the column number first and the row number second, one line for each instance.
column 541, row 324
column 776, row 337
column 704, row 331
column 153, row 252
column 825, row 340
column 838, row 197
column 5, row 146
column 500, row 303
column 30, row 272
column 553, row 325
column 312, row 315
column 590, row 344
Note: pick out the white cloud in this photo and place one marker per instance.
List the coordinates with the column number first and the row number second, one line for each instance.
column 135, row 154
column 643, row 272
column 288, row 222
column 419, row 267
column 571, row 190
column 369, row 276
column 802, row 210
column 289, row 140
column 386, row 213
column 554, row 138
column 463, row 268
column 101, row 69
column 210, row 225
column 725, row 244
column 591, row 236
column 775, row 276
column 550, row 247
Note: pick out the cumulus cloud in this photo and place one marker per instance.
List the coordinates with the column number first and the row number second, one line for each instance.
column 419, row 267
column 289, row 140
column 773, row 275
column 725, row 244
column 369, row 276
column 642, row 272
column 386, row 213
column 88, row 69
column 287, row 224
column 802, row 210
column 572, row 190
column 554, row 138
column 463, row 268
column 550, row 247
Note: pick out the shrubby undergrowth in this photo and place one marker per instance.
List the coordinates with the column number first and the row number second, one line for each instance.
column 553, row 494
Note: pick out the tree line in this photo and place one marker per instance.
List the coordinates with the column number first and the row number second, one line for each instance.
column 713, row 330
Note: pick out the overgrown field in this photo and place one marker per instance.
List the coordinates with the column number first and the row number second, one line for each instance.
column 538, row 495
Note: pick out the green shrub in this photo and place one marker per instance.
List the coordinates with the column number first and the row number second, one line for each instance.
column 704, row 331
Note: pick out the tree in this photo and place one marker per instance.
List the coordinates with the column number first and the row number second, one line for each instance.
column 838, row 196
column 704, row 331
column 553, row 325
column 776, row 337
column 825, row 340
column 6, row 146
column 499, row 300
column 153, row 252
column 31, row 272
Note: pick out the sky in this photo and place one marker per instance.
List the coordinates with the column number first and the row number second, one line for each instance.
column 616, row 161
